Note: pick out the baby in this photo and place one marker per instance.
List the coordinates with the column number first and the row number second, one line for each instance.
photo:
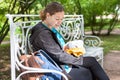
column 75, row 48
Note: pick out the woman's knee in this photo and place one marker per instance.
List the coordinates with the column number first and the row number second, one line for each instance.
column 89, row 61
column 89, row 58
column 81, row 73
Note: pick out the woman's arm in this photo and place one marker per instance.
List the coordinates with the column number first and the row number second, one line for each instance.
column 46, row 41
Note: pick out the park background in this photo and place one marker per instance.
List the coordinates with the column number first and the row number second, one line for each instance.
column 101, row 18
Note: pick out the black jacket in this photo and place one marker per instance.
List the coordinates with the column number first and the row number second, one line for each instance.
column 43, row 38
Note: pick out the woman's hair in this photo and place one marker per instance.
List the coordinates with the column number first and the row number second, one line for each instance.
column 51, row 8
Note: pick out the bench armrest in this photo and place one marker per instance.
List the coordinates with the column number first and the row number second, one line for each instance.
column 91, row 41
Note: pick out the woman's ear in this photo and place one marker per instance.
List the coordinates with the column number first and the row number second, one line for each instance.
column 47, row 15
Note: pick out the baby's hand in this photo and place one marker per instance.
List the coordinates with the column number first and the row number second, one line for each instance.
column 65, row 47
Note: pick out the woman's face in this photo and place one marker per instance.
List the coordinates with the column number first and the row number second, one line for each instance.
column 54, row 20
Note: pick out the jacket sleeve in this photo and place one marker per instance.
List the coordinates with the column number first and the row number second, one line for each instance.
column 46, row 41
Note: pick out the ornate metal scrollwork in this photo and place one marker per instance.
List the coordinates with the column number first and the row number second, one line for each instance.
column 22, row 32
column 71, row 28
column 92, row 41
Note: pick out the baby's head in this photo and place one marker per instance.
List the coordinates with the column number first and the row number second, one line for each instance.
column 75, row 44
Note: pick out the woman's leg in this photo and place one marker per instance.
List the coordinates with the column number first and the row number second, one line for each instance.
column 95, row 67
column 80, row 73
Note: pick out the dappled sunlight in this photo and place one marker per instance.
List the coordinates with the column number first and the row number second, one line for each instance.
column 5, row 62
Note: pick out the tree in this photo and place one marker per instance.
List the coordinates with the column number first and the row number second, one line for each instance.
column 90, row 10
column 15, row 7
column 93, row 8
column 114, row 21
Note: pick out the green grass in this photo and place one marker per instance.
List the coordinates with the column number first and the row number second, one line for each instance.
column 109, row 43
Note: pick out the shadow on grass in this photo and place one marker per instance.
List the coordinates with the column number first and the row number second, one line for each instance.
column 5, row 62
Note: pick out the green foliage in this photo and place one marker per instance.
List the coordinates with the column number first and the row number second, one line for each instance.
column 97, row 7
column 3, row 6
column 89, row 8
column 3, row 10
column 69, row 6
column 94, row 8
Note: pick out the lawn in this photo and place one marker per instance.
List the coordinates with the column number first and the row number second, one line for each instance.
column 108, row 42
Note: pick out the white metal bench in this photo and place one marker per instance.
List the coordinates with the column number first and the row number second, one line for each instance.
column 72, row 28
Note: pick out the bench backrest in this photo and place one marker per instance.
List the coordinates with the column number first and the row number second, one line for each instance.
column 72, row 28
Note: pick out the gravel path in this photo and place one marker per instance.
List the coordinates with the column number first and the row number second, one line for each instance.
column 112, row 60
column 112, row 65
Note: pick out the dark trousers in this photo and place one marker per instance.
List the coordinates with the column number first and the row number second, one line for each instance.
column 80, row 73
column 90, row 70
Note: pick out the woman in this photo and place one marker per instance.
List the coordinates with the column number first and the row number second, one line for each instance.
column 43, row 37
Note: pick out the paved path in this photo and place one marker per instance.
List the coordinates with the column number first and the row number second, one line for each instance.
column 112, row 65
